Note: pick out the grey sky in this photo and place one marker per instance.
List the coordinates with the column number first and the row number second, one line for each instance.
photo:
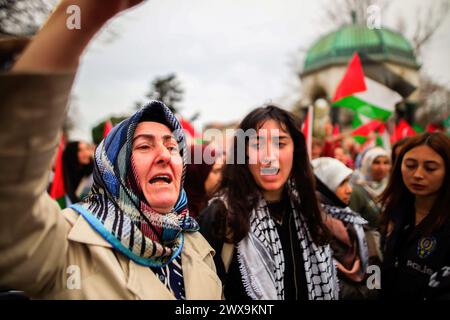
column 230, row 55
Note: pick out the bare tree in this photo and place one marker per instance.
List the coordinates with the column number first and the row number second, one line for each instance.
column 428, row 22
column 434, row 100
column 427, row 19
column 342, row 12
column 23, row 17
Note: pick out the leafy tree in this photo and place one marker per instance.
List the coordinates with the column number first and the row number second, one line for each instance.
column 168, row 90
column 98, row 130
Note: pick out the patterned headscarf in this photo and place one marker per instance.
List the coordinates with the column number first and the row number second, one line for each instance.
column 116, row 207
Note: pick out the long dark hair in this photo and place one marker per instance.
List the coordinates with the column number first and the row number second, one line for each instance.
column 241, row 190
column 397, row 199
column 397, row 146
column 196, row 176
column 73, row 171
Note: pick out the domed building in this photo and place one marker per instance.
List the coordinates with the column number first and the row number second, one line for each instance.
column 386, row 55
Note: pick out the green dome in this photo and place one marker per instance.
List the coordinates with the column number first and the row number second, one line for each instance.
column 379, row 44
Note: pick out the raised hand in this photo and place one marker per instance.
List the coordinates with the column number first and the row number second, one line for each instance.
column 99, row 11
column 57, row 48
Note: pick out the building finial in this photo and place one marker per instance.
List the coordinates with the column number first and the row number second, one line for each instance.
column 353, row 17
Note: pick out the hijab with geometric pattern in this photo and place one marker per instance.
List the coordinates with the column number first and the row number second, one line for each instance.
column 116, row 207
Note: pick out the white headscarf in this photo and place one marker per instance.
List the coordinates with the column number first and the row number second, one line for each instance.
column 330, row 171
column 375, row 188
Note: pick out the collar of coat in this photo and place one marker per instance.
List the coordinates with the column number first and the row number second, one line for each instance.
column 82, row 232
column 195, row 270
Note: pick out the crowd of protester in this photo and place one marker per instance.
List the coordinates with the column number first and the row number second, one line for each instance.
column 142, row 222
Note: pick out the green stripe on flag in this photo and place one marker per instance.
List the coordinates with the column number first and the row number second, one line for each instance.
column 357, row 120
column 363, row 107
column 62, row 202
column 360, row 139
column 199, row 141
column 379, row 141
column 418, row 128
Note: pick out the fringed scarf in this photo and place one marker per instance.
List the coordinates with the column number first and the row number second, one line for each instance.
column 261, row 260
column 116, row 207
column 347, row 215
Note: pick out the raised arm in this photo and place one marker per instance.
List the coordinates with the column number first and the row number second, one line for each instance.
column 33, row 98
column 56, row 48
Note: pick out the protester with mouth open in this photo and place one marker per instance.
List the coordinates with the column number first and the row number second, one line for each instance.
column 416, row 220
column 265, row 223
column 132, row 236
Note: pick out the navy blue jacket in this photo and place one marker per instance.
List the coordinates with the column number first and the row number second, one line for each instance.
column 411, row 258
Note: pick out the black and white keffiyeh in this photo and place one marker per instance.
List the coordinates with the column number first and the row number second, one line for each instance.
column 349, row 216
column 261, row 260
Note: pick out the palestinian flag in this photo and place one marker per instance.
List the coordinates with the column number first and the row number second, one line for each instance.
column 191, row 134
column 418, row 129
column 57, row 191
column 402, row 130
column 447, row 125
column 364, row 95
column 372, row 133
column 336, row 130
column 432, row 127
column 364, row 132
column 307, row 129
column 107, row 128
column 379, row 72
column 383, row 138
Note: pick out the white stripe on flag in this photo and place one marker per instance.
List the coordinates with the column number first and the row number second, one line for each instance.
column 379, row 95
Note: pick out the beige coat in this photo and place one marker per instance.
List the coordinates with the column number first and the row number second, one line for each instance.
column 54, row 254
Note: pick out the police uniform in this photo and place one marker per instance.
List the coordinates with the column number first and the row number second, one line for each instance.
column 411, row 258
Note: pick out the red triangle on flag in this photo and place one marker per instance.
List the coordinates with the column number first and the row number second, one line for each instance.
column 431, row 127
column 353, row 80
column 188, row 127
column 336, row 129
column 107, row 128
column 402, row 130
column 305, row 126
column 58, row 190
column 367, row 128
column 307, row 129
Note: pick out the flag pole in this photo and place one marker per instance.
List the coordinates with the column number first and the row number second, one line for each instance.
column 310, row 131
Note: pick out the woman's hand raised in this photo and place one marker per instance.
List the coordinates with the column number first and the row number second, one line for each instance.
column 57, row 47
column 97, row 12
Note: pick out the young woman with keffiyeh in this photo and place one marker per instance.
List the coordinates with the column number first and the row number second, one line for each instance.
column 132, row 236
column 265, row 223
column 354, row 246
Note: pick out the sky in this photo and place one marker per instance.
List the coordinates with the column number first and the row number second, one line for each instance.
column 229, row 55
